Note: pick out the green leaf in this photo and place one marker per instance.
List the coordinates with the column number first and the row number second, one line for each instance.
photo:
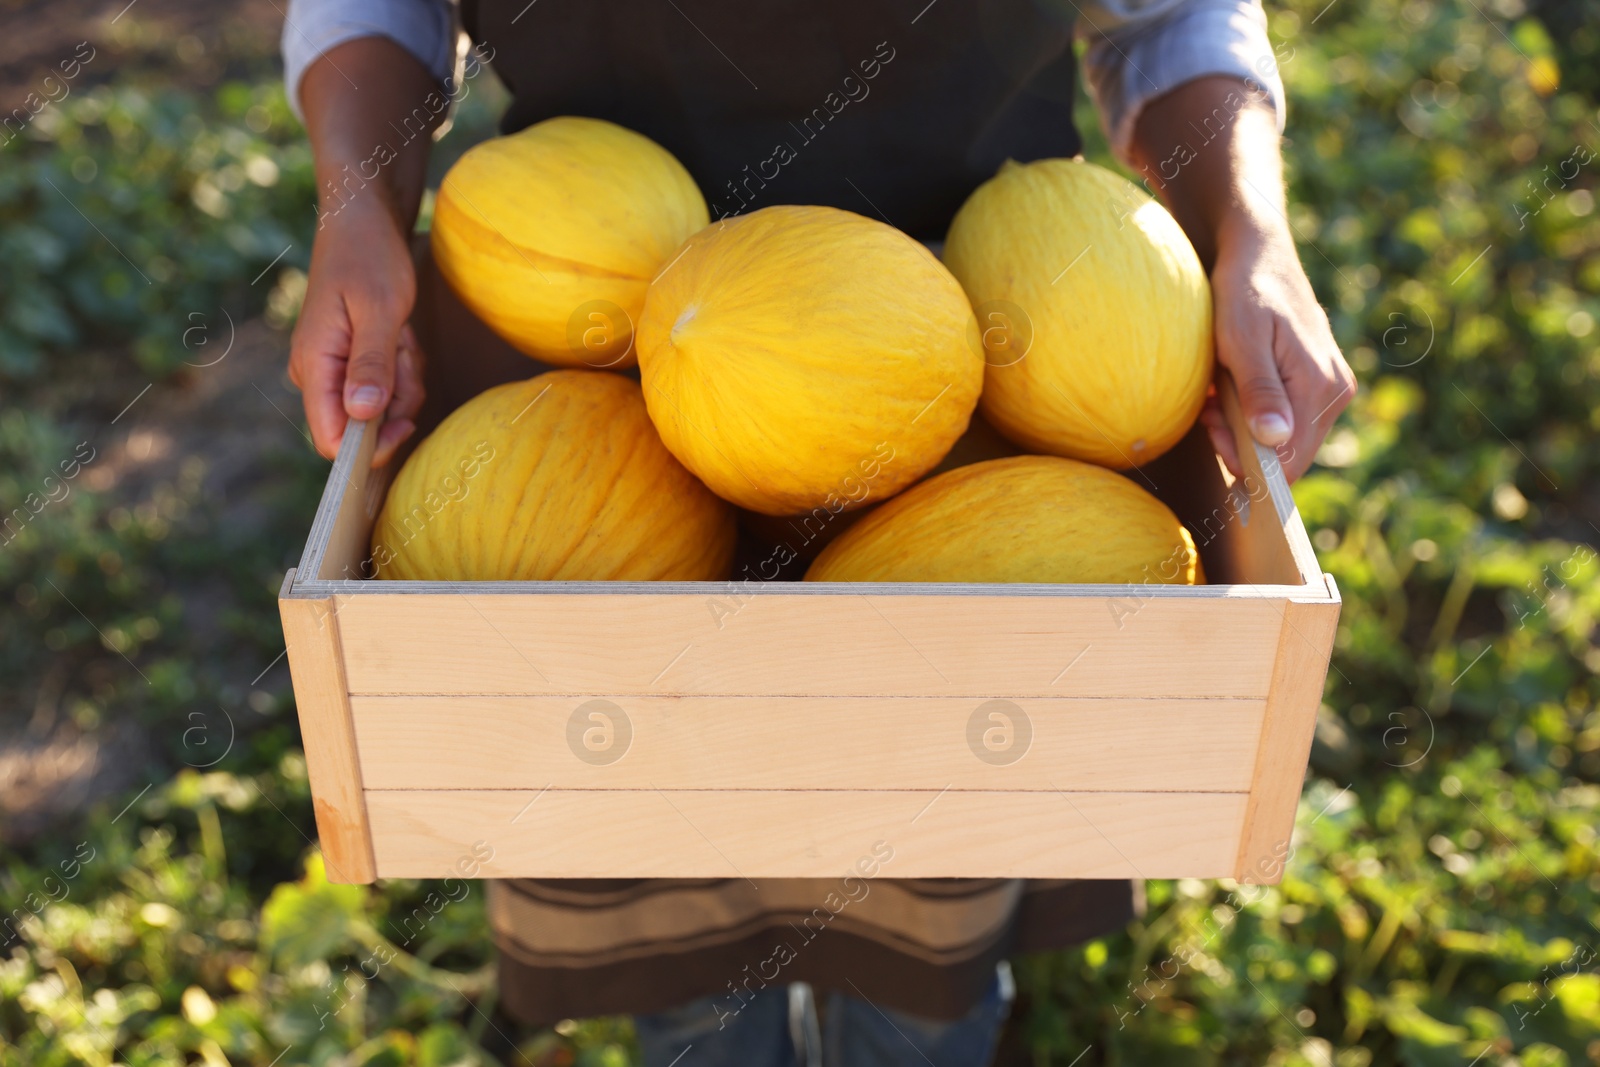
column 446, row 1045
column 311, row 919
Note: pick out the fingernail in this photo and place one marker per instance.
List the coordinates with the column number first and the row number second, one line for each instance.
column 367, row 394
column 1271, row 428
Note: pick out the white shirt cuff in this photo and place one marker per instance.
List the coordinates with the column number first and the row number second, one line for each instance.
column 425, row 28
column 1136, row 62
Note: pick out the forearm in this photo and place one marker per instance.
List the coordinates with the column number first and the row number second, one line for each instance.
column 370, row 114
column 1210, row 150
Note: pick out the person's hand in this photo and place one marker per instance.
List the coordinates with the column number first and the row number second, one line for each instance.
column 1226, row 191
column 1273, row 337
column 353, row 354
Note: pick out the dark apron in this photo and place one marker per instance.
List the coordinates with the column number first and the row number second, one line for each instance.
column 895, row 109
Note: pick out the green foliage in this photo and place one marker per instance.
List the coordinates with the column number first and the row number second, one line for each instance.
column 1440, row 901
column 123, row 213
column 154, row 951
column 303, row 922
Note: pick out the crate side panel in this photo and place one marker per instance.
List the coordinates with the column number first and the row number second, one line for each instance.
column 853, row 645
column 632, row 742
column 806, row 834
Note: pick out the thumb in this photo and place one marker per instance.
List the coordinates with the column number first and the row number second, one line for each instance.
column 369, row 376
column 1261, row 393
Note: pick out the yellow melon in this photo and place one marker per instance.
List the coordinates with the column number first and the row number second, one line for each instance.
column 552, row 234
column 559, row 477
column 806, row 357
column 1095, row 311
column 774, row 545
column 1022, row 519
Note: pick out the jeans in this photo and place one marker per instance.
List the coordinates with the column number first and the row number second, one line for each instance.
column 778, row 1028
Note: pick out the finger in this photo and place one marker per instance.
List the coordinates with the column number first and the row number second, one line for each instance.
column 1319, row 382
column 1221, row 435
column 316, row 366
column 390, row 437
column 399, row 422
column 1246, row 347
column 409, row 391
column 1320, row 390
column 369, row 377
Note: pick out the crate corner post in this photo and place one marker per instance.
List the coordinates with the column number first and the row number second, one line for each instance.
column 322, row 701
column 1305, row 646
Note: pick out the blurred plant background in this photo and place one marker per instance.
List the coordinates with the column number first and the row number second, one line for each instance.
column 161, row 901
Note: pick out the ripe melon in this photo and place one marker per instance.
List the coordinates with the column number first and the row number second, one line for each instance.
column 1096, row 313
column 559, row 477
column 1022, row 519
column 551, row 235
column 791, row 355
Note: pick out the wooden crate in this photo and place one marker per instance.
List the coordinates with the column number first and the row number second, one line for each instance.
column 694, row 729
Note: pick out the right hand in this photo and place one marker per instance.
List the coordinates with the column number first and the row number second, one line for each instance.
column 353, row 355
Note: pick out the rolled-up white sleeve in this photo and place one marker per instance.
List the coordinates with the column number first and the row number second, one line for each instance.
column 425, row 28
column 1138, row 57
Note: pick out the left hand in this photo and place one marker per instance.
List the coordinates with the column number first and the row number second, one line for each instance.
column 1274, row 338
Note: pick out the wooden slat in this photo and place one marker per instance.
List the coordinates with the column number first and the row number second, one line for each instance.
column 829, row 645
column 316, row 588
column 337, row 548
column 1291, row 720
column 805, row 743
column 806, row 834
column 311, row 633
column 1274, row 548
